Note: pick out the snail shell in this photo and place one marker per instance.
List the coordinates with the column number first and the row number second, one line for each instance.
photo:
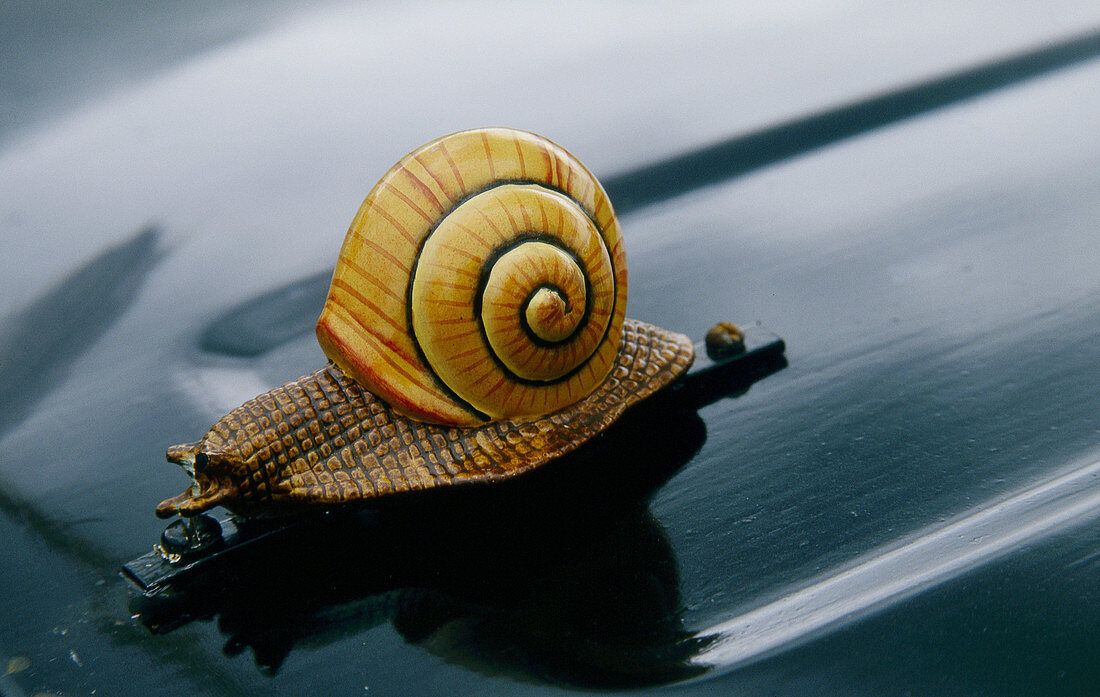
column 484, row 278
column 475, row 325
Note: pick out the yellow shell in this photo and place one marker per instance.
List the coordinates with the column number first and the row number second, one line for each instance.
column 483, row 278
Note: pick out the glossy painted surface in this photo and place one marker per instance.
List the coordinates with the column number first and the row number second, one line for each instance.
column 908, row 507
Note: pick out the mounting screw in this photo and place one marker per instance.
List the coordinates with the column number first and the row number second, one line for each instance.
column 187, row 536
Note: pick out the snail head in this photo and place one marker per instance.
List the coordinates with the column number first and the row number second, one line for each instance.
column 212, row 475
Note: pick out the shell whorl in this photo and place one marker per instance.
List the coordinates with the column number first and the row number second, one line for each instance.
column 483, row 278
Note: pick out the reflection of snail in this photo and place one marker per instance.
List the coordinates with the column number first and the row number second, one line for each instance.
column 476, row 329
column 536, row 578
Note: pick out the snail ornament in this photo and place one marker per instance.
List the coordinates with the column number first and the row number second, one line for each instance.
column 475, row 327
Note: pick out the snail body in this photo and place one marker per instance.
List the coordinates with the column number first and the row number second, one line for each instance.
column 476, row 329
column 325, row 439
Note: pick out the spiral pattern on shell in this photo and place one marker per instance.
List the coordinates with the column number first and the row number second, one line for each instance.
column 483, row 278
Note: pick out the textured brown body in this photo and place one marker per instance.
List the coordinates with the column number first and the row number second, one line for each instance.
column 322, row 439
